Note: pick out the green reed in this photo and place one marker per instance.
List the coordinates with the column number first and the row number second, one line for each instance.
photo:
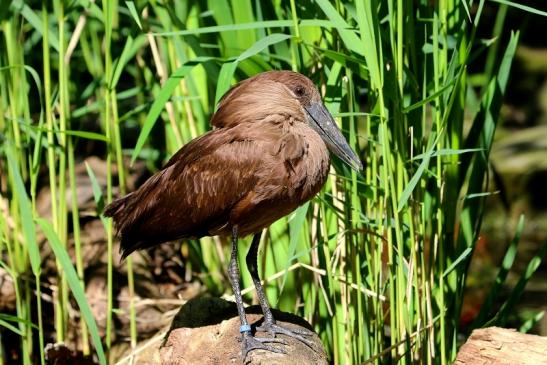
column 377, row 262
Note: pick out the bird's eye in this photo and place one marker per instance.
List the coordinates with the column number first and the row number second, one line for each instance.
column 299, row 91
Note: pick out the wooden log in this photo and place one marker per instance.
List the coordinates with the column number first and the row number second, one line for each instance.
column 502, row 346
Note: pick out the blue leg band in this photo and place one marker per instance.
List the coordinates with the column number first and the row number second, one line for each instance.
column 245, row 328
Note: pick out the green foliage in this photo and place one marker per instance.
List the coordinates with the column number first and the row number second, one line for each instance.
column 75, row 286
column 377, row 262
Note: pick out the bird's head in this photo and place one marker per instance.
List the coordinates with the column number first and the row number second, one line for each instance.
column 284, row 92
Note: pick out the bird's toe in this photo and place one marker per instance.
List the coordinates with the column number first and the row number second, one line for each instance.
column 251, row 343
column 297, row 333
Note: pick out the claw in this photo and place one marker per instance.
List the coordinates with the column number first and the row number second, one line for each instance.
column 260, row 343
column 274, row 329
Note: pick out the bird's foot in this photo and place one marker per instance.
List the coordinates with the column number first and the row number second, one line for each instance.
column 251, row 343
column 273, row 329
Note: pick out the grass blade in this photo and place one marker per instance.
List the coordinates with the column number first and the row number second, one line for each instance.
column 25, row 209
column 509, row 305
column 521, row 7
column 228, row 69
column 161, row 100
column 75, row 287
column 134, row 13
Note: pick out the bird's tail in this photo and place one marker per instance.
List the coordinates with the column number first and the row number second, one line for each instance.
column 116, row 208
column 120, row 213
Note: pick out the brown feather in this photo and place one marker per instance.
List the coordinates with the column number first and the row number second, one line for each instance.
column 260, row 163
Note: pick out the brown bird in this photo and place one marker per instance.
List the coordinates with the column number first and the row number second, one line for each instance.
column 267, row 155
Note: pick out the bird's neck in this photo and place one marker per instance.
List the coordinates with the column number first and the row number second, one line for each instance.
column 306, row 157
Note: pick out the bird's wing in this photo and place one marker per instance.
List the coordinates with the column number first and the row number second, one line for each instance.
column 194, row 194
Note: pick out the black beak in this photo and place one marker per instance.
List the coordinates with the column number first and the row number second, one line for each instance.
column 323, row 123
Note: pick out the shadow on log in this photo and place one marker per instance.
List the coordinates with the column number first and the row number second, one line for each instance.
column 502, row 346
column 206, row 331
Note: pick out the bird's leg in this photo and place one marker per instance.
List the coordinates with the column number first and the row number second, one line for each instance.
column 249, row 341
column 270, row 324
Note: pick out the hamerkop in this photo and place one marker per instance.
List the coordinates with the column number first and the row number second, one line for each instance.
column 267, row 155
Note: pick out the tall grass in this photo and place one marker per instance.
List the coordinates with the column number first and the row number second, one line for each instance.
column 382, row 257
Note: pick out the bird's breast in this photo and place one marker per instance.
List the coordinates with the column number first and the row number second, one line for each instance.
column 311, row 170
column 294, row 173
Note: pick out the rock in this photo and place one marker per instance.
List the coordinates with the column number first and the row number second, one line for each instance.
column 7, row 292
column 206, row 331
column 60, row 354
